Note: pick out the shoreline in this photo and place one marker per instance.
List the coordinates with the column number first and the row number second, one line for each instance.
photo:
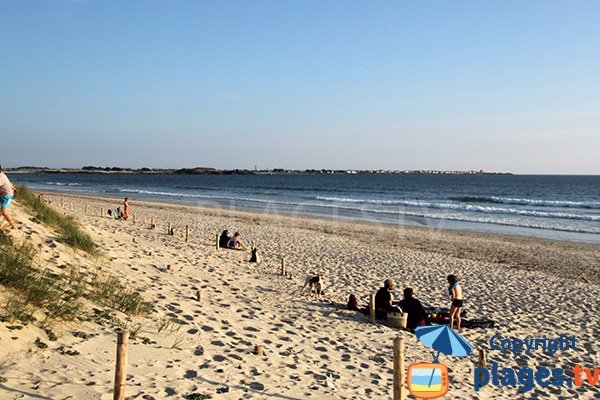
column 529, row 253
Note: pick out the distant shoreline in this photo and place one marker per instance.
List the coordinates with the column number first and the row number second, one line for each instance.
column 214, row 171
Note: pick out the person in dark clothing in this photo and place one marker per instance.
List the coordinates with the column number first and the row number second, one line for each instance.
column 416, row 314
column 384, row 301
column 224, row 239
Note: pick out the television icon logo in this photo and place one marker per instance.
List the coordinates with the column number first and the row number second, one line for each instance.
column 427, row 380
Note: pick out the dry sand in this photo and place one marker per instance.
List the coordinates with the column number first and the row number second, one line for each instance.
column 313, row 348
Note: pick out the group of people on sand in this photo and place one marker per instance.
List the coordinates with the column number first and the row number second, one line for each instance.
column 417, row 316
column 122, row 215
column 228, row 241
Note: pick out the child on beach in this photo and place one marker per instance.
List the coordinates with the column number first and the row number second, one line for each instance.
column 7, row 192
column 456, row 298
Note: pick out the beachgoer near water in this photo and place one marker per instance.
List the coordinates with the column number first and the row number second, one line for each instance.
column 235, row 242
column 7, row 192
column 456, row 298
column 224, row 239
column 416, row 314
column 384, row 301
column 125, row 214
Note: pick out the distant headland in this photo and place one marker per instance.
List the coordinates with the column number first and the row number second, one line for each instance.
column 214, row 171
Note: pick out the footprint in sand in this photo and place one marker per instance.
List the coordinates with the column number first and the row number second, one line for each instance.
column 189, row 374
column 199, row 351
column 217, row 343
column 219, row 358
column 207, row 328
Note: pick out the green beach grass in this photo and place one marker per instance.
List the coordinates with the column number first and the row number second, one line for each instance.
column 69, row 230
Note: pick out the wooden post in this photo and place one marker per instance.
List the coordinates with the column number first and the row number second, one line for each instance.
column 85, row 212
column 71, row 206
column 283, row 266
column 169, row 229
column 199, row 296
column 372, row 307
column 134, row 219
column 187, row 232
column 399, row 392
column 120, row 372
column 259, row 350
column 152, row 223
column 101, row 212
column 482, row 362
column 62, row 202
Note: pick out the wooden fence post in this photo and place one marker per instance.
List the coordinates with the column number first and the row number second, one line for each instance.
column 482, row 362
column 152, row 223
column 85, row 212
column 399, row 391
column 283, row 265
column 121, row 370
column 217, row 242
column 134, row 219
column 169, row 229
column 372, row 308
column 187, row 233
column 62, row 202
column 198, row 296
column 259, row 350
column 101, row 212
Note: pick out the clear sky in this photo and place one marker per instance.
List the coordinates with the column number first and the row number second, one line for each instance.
column 494, row 85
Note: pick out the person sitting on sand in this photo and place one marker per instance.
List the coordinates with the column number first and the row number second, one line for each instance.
column 235, row 242
column 7, row 192
column 456, row 298
column 384, row 301
column 224, row 239
column 413, row 307
column 125, row 214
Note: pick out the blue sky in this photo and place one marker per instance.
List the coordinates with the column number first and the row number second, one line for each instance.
column 500, row 86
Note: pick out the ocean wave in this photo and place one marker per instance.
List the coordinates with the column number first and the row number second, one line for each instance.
column 62, row 184
column 528, row 202
column 467, row 208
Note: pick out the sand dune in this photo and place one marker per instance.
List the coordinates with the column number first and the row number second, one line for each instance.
column 313, row 348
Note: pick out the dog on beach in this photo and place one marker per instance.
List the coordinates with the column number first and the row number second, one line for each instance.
column 314, row 283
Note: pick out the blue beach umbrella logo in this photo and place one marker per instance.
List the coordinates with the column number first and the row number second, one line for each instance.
column 444, row 339
column 430, row 380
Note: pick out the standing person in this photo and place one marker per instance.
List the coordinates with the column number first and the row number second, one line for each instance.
column 7, row 192
column 456, row 298
column 125, row 214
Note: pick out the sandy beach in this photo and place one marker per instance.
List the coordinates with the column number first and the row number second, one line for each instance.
column 314, row 348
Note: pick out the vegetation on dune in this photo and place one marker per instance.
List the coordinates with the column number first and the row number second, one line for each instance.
column 69, row 230
column 32, row 294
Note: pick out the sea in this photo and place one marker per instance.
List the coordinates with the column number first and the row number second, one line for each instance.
column 545, row 206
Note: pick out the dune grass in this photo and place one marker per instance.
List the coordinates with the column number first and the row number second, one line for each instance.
column 31, row 294
column 69, row 230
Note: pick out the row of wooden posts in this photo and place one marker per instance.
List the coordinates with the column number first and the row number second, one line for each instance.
column 399, row 390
